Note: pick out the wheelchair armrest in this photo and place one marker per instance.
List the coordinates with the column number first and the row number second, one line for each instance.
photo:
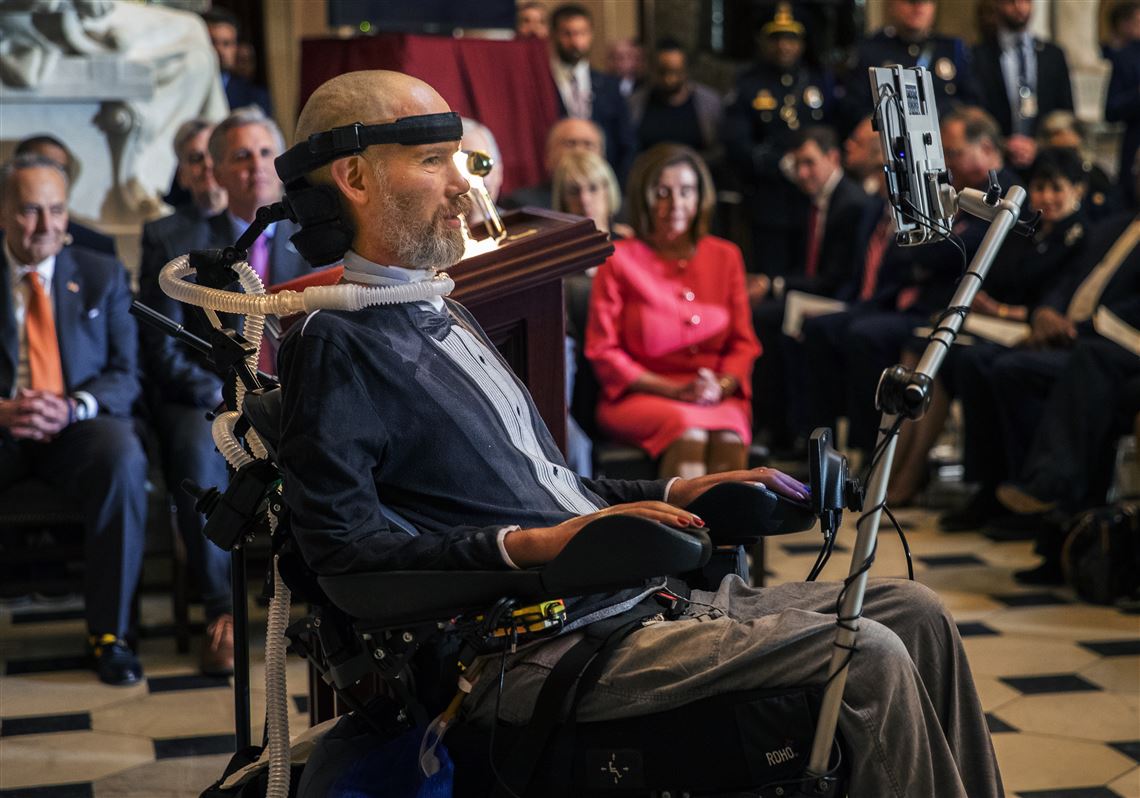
column 610, row 553
column 740, row 513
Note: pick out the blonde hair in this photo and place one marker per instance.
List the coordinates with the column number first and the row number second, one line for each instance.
column 584, row 167
column 647, row 169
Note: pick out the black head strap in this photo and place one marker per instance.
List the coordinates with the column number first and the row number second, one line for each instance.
column 323, row 148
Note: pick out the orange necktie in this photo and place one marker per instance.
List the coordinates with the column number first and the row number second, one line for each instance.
column 43, row 345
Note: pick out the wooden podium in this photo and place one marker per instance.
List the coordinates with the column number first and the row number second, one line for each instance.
column 515, row 293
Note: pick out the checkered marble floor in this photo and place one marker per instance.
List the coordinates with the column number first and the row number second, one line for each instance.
column 1059, row 679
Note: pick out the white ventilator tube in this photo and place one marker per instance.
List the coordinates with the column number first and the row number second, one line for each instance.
column 254, row 304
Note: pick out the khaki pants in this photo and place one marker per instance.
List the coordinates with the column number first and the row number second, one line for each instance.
column 911, row 720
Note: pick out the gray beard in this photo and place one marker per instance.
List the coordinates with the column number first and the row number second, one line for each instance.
column 426, row 247
column 421, row 246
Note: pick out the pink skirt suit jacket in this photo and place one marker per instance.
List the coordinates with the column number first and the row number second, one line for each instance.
column 670, row 317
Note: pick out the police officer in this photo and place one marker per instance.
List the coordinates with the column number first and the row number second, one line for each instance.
column 909, row 41
column 771, row 101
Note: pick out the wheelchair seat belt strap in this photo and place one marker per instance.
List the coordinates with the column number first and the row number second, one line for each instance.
column 598, row 642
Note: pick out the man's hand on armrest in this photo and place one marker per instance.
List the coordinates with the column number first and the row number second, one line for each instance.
column 684, row 491
column 530, row 547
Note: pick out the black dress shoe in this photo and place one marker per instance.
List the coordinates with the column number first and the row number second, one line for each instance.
column 974, row 515
column 113, row 661
column 1048, row 573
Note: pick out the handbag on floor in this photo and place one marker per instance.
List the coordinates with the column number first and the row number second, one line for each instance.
column 1101, row 555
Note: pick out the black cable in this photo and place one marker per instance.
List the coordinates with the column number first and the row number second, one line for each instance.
column 905, row 545
column 495, row 720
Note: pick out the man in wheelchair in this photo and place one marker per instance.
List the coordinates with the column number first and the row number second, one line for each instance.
column 409, row 406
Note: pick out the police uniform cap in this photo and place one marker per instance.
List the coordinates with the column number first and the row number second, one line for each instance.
column 783, row 23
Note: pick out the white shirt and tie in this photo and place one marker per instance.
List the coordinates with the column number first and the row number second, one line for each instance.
column 574, row 86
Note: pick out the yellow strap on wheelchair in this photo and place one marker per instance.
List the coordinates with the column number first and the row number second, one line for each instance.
column 535, row 618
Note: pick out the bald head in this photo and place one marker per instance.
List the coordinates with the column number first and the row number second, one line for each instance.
column 402, row 201
column 371, row 97
column 572, row 135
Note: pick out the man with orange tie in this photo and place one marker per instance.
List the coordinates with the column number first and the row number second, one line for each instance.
column 181, row 386
column 67, row 382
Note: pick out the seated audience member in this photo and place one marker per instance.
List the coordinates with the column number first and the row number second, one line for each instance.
column 567, row 135
column 585, row 185
column 245, row 62
column 895, row 290
column 834, row 207
column 1069, row 464
column 532, row 21
column 224, row 29
column 625, row 60
column 1123, row 26
column 673, row 108
column 55, row 150
column 585, row 93
column 1003, row 397
column 1122, row 104
column 67, row 384
column 1063, row 129
column 477, row 137
column 770, row 101
column 195, row 174
column 510, row 501
column 863, row 157
column 1023, row 272
column 182, row 386
column 669, row 333
column 1020, row 78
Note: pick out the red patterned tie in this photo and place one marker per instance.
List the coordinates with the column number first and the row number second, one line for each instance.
column 876, row 248
column 813, row 237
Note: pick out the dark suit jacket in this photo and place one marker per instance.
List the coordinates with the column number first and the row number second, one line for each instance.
column 1054, row 91
column 844, row 214
column 611, row 114
column 97, row 338
column 1123, row 105
column 240, row 93
column 177, row 372
column 84, row 236
column 1121, row 294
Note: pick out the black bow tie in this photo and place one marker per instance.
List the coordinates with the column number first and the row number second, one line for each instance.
column 435, row 323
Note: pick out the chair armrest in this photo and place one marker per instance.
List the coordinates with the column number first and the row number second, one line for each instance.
column 740, row 513
column 610, row 553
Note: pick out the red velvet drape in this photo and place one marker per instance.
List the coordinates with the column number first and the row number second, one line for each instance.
column 505, row 85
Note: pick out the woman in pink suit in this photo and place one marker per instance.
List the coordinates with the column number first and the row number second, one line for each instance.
column 670, row 333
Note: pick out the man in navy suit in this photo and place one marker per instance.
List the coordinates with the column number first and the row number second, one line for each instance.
column 67, row 382
column 181, row 386
column 1123, row 105
column 223, row 28
column 1021, row 79
column 584, row 93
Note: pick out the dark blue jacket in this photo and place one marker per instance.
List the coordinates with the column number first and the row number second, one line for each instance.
column 1121, row 294
column 181, row 374
column 611, row 114
column 97, row 338
column 1054, row 89
column 240, row 93
column 1123, row 105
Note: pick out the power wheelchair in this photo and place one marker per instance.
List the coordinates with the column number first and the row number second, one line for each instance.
column 370, row 632
column 388, row 628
